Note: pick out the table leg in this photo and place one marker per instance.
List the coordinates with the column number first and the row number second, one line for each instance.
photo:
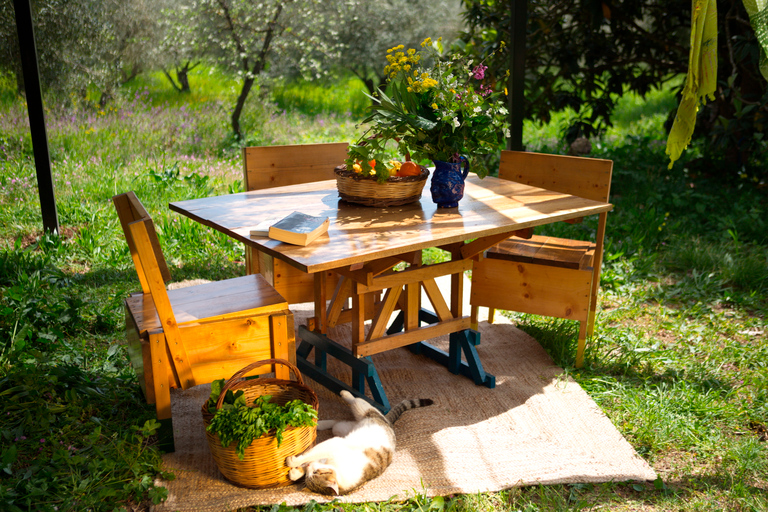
column 460, row 342
column 363, row 370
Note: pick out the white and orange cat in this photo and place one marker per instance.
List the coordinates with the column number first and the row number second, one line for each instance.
column 360, row 452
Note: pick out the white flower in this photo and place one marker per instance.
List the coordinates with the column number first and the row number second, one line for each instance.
column 503, row 111
column 478, row 110
column 506, row 133
column 456, row 123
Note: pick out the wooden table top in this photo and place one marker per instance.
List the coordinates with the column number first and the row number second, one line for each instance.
column 358, row 234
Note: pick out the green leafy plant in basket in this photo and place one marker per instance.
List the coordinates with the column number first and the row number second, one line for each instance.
column 438, row 111
column 236, row 422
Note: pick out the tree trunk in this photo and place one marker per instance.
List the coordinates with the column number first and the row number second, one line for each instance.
column 247, row 84
column 183, row 76
column 251, row 74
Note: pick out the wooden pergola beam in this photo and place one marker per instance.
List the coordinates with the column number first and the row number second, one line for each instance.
column 34, row 95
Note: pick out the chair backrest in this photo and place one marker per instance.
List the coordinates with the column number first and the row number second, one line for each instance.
column 589, row 178
column 276, row 166
column 129, row 210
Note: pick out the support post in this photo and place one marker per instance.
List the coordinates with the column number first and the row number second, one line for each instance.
column 516, row 82
column 34, row 95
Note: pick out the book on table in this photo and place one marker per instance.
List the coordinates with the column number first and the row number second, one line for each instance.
column 299, row 228
column 262, row 228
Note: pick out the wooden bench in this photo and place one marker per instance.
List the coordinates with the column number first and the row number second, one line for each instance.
column 546, row 275
column 194, row 335
column 276, row 166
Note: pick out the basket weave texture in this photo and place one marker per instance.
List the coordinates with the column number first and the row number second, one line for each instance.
column 396, row 191
column 263, row 466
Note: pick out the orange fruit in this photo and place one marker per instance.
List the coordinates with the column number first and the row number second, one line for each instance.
column 409, row 169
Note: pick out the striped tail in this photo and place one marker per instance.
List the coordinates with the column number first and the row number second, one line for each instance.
column 405, row 405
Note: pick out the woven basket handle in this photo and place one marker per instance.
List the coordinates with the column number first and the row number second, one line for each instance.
column 240, row 374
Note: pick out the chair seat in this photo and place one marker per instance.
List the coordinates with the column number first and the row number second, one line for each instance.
column 545, row 250
column 231, row 298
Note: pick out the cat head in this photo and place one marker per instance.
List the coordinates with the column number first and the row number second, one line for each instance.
column 321, row 478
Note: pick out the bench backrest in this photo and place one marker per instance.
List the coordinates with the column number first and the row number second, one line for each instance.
column 276, row 166
column 589, row 178
column 129, row 209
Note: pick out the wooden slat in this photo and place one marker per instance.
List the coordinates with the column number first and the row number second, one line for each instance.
column 528, row 288
column 276, row 166
column 477, row 246
column 380, row 320
column 338, row 300
column 435, row 296
column 584, row 177
column 282, row 345
column 129, row 209
column 406, row 338
column 210, row 302
column 412, row 275
column 543, row 250
column 160, row 383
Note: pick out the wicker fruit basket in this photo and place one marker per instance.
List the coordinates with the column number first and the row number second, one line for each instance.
column 264, row 464
column 396, row 191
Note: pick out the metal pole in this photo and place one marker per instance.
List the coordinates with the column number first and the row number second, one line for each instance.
column 516, row 82
column 34, row 95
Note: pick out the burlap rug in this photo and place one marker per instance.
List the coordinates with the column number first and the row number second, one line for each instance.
column 536, row 427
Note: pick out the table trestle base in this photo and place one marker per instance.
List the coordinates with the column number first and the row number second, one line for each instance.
column 363, row 370
column 459, row 342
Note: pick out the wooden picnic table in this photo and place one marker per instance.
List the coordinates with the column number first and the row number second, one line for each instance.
column 363, row 245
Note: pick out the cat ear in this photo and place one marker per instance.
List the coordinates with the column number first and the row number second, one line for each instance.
column 335, row 487
column 322, row 461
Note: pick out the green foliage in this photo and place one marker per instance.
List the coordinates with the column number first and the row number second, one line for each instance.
column 74, row 440
column 631, row 46
column 678, row 360
column 345, row 97
column 236, row 422
column 36, row 312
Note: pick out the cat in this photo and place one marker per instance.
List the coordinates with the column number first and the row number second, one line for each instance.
column 360, row 452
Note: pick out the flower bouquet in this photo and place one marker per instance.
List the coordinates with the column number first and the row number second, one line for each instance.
column 436, row 107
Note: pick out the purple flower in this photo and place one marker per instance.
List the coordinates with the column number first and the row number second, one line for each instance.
column 479, row 72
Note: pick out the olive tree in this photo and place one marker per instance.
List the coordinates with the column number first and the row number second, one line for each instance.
column 239, row 35
column 81, row 43
column 353, row 36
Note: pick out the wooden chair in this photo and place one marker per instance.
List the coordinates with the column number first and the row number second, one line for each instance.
column 276, row 166
column 545, row 275
column 183, row 337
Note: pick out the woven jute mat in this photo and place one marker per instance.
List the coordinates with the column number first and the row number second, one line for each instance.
column 535, row 427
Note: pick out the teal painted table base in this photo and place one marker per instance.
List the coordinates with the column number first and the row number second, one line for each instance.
column 458, row 342
column 364, row 372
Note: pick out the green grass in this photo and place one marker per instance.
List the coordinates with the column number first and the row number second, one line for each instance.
column 679, row 361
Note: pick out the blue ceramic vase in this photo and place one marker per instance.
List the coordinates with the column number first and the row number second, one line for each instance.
column 448, row 182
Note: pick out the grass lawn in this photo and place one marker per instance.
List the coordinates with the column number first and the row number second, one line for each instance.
column 679, row 360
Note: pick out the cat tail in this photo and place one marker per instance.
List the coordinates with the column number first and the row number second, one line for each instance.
column 405, row 405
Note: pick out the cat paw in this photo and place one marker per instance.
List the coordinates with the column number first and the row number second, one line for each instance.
column 290, row 461
column 346, row 395
column 295, row 473
column 325, row 424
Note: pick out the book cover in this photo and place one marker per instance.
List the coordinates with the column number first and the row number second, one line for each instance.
column 299, row 228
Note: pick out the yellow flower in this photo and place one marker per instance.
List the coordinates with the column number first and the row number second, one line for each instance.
column 434, row 106
column 356, row 167
column 426, row 42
